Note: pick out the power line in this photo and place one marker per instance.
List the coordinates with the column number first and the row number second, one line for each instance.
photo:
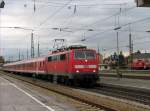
column 104, row 19
column 120, row 26
column 107, row 18
column 84, row 26
column 85, row 5
column 51, row 16
column 125, row 46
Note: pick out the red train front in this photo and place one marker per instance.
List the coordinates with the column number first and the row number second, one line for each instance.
column 75, row 64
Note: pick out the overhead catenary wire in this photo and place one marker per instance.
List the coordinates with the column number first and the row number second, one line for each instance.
column 51, row 16
column 81, row 4
column 109, row 17
column 137, row 21
column 92, row 23
column 83, row 28
column 87, row 5
column 130, row 23
column 126, row 46
column 104, row 19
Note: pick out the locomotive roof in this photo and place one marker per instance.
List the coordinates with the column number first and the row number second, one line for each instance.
column 69, row 48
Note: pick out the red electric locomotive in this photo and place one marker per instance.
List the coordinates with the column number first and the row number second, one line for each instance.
column 75, row 64
column 140, row 64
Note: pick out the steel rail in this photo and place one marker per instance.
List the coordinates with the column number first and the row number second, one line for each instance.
column 129, row 93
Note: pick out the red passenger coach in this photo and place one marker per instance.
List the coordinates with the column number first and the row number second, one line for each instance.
column 75, row 64
column 32, row 66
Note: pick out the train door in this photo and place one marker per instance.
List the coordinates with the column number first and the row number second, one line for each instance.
column 51, row 64
column 37, row 67
column 62, row 63
column 46, row 64
column 67, row 62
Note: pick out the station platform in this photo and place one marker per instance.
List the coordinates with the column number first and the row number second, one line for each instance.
column 126, row 82
column 12, row 98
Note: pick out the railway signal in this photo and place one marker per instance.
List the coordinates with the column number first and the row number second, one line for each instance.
column 32, row 46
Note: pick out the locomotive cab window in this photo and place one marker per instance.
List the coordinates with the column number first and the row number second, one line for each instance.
column 79, row 55
column 84, row 54
column 90, row 54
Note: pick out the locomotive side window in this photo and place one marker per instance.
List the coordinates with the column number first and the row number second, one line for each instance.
column 54, row 58
column 58, row 57
column 62, row 56
column 49, row 59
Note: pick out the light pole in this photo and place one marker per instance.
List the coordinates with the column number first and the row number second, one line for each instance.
column 148, row 31
column 130, row 47
column 38, row 51
column 32, row 39
column 118, row 65
column 84, row 39
column 2, row 4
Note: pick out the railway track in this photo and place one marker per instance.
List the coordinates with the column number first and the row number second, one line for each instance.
column 127, row 71
column 90, row 102
column 133, row 94
column 130, row 75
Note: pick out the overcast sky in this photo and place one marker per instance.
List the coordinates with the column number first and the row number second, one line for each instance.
column 75, row 18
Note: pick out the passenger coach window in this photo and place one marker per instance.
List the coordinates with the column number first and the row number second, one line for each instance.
column 63, row 57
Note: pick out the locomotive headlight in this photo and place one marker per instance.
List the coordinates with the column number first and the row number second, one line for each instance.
column 94, row 70
column 77, row 71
